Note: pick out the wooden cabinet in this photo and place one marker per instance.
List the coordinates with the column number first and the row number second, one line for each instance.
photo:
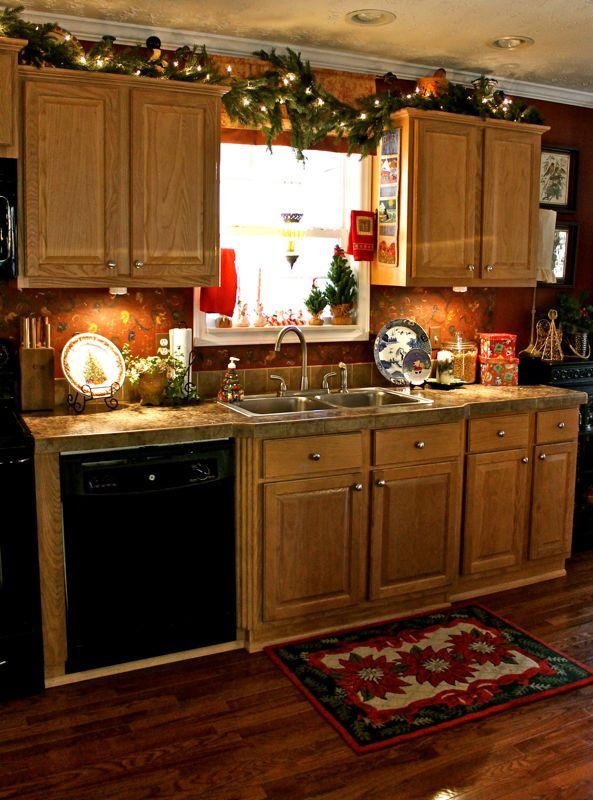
column 9, row 102
column 314, row 550
column 457, row 200
column 121, row 181
column 519, row 490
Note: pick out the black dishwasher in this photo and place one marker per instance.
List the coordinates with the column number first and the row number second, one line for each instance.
column 148, row 550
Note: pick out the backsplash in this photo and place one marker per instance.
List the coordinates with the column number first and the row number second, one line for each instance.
column 138, row 317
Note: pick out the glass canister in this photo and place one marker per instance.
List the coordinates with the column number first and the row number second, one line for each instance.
column 465, row 358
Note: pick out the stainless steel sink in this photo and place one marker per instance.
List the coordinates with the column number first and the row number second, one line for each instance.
column 373, row 397
column 267, row 404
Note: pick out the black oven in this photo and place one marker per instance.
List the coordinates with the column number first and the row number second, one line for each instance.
column 578, row 375
column 8, row 192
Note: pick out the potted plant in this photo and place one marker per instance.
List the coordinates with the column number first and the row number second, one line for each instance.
column 341, row 289
column 158, row 378
column 575, row 317
column 315, row 303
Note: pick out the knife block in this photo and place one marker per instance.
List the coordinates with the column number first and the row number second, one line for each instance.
column 37, row 378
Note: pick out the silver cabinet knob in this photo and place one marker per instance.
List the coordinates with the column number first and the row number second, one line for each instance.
column 111, row 265
column 471, row 267
column 381, row 482
column 500, row 433
column 489, row 267
column 542, row 457
column 561, row 425
column 419, row 445
column 357, row 487
column 139, row 264
column 525, row 460
column 315, row 456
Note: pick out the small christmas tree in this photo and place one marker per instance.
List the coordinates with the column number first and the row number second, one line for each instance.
column 315, row 303
column 341, row 289
column 93, row 371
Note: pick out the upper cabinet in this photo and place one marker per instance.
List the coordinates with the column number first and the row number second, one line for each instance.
column 457, row 199
column 9, row 132
column 120, row 181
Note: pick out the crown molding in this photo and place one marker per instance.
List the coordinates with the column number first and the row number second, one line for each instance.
column 91, row 29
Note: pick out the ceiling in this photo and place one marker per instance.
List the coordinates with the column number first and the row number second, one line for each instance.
column 455, row 34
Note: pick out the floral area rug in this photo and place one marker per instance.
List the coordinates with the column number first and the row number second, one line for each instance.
column 383, row 684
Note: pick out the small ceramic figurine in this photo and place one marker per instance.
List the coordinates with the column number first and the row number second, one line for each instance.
column 243, row 317
column 260, row 319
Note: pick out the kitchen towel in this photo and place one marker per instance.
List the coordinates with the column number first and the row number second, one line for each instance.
column 545, row 246
column 180, row 342
column 221, row 299
column 361, row 238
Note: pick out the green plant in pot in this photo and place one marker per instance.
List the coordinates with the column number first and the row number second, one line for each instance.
column 315, row 304
column 341, row 289
column 158, row 379
column 575, row 317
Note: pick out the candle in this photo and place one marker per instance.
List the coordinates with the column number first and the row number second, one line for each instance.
column 259, row 286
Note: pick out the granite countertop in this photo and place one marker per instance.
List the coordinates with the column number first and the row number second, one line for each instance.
column 136, row 425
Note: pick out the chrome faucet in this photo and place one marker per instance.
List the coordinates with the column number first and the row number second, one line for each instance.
column 299, row 333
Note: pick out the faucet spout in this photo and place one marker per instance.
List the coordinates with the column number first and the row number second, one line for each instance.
column 299, row 333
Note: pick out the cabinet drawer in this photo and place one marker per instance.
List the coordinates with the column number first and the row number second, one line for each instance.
column 560, row 425
column 417, row 444
column 312, row 455
column 498, row 433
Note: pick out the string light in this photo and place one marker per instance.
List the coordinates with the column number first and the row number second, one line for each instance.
column 363, row 115
column 377, row 102
column 246, row 101
column 229, row 69
column 320, row 102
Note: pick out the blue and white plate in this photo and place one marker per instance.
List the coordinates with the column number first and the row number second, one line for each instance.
column 417, row 366
column 394, row 341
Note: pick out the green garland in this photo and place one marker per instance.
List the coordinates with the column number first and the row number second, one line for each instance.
column 286, row 91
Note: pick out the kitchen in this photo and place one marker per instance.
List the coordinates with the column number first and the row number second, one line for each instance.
column 80, row 308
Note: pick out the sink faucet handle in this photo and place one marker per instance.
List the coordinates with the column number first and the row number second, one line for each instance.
column 282, row 386
column 325, row 381
column 343, row 376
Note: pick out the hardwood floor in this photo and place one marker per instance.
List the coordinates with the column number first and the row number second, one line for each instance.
column 232, row 727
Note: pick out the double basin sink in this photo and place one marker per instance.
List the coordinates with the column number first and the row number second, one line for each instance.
column 311, row 402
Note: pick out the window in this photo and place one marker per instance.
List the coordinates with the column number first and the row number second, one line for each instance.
column 256, row 188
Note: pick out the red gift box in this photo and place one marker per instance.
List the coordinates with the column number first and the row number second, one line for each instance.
column 497, row 345
column 499, row 371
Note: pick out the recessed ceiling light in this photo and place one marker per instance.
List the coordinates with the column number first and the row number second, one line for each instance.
column 370, row 16
column 512, row 42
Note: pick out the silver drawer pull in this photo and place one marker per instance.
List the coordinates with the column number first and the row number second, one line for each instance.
column 489, row 267
column 500, row 433
column 542, row 457
column 111, row 264
column 471, row 267
column 315, row 456
column 381, row 482
column 525, row 460
column 561, row 425
column 139, row 264
column 419, row 445
column 357, row 487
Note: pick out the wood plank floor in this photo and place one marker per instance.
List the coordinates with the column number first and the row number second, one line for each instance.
column 231, row 727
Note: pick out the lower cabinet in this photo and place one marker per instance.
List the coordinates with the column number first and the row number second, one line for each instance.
column 554, row 471
column 314, row 545
column 414, row 528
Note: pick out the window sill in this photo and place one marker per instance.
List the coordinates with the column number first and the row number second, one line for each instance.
column 251, row 335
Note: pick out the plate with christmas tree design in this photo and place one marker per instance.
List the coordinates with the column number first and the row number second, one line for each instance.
column 93, row 365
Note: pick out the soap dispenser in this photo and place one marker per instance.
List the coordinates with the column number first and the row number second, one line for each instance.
column 231, row 389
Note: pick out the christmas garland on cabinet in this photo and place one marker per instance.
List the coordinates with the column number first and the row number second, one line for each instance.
column 286, row 91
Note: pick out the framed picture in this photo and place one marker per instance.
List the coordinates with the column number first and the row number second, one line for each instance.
column 558, row 178
column 564, row 254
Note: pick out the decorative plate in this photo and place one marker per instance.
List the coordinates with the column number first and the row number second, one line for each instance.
column 416, row 366
column 455, row 384
column 93, row 364
column 394, row 341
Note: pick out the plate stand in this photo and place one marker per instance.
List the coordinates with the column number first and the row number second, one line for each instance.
column 77, row 402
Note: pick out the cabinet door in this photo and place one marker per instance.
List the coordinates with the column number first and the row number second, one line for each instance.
column 76, row 184
column 9, row 128
column 553, row 499
column 496, row 509
column 314, row 550
column 510, row 206
column 175, row 157
column 415, row 528
column 445, row 202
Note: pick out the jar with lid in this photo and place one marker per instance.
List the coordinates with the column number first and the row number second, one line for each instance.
column 465, row 357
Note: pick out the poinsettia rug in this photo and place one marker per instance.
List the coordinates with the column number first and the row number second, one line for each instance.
column 383, row 684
